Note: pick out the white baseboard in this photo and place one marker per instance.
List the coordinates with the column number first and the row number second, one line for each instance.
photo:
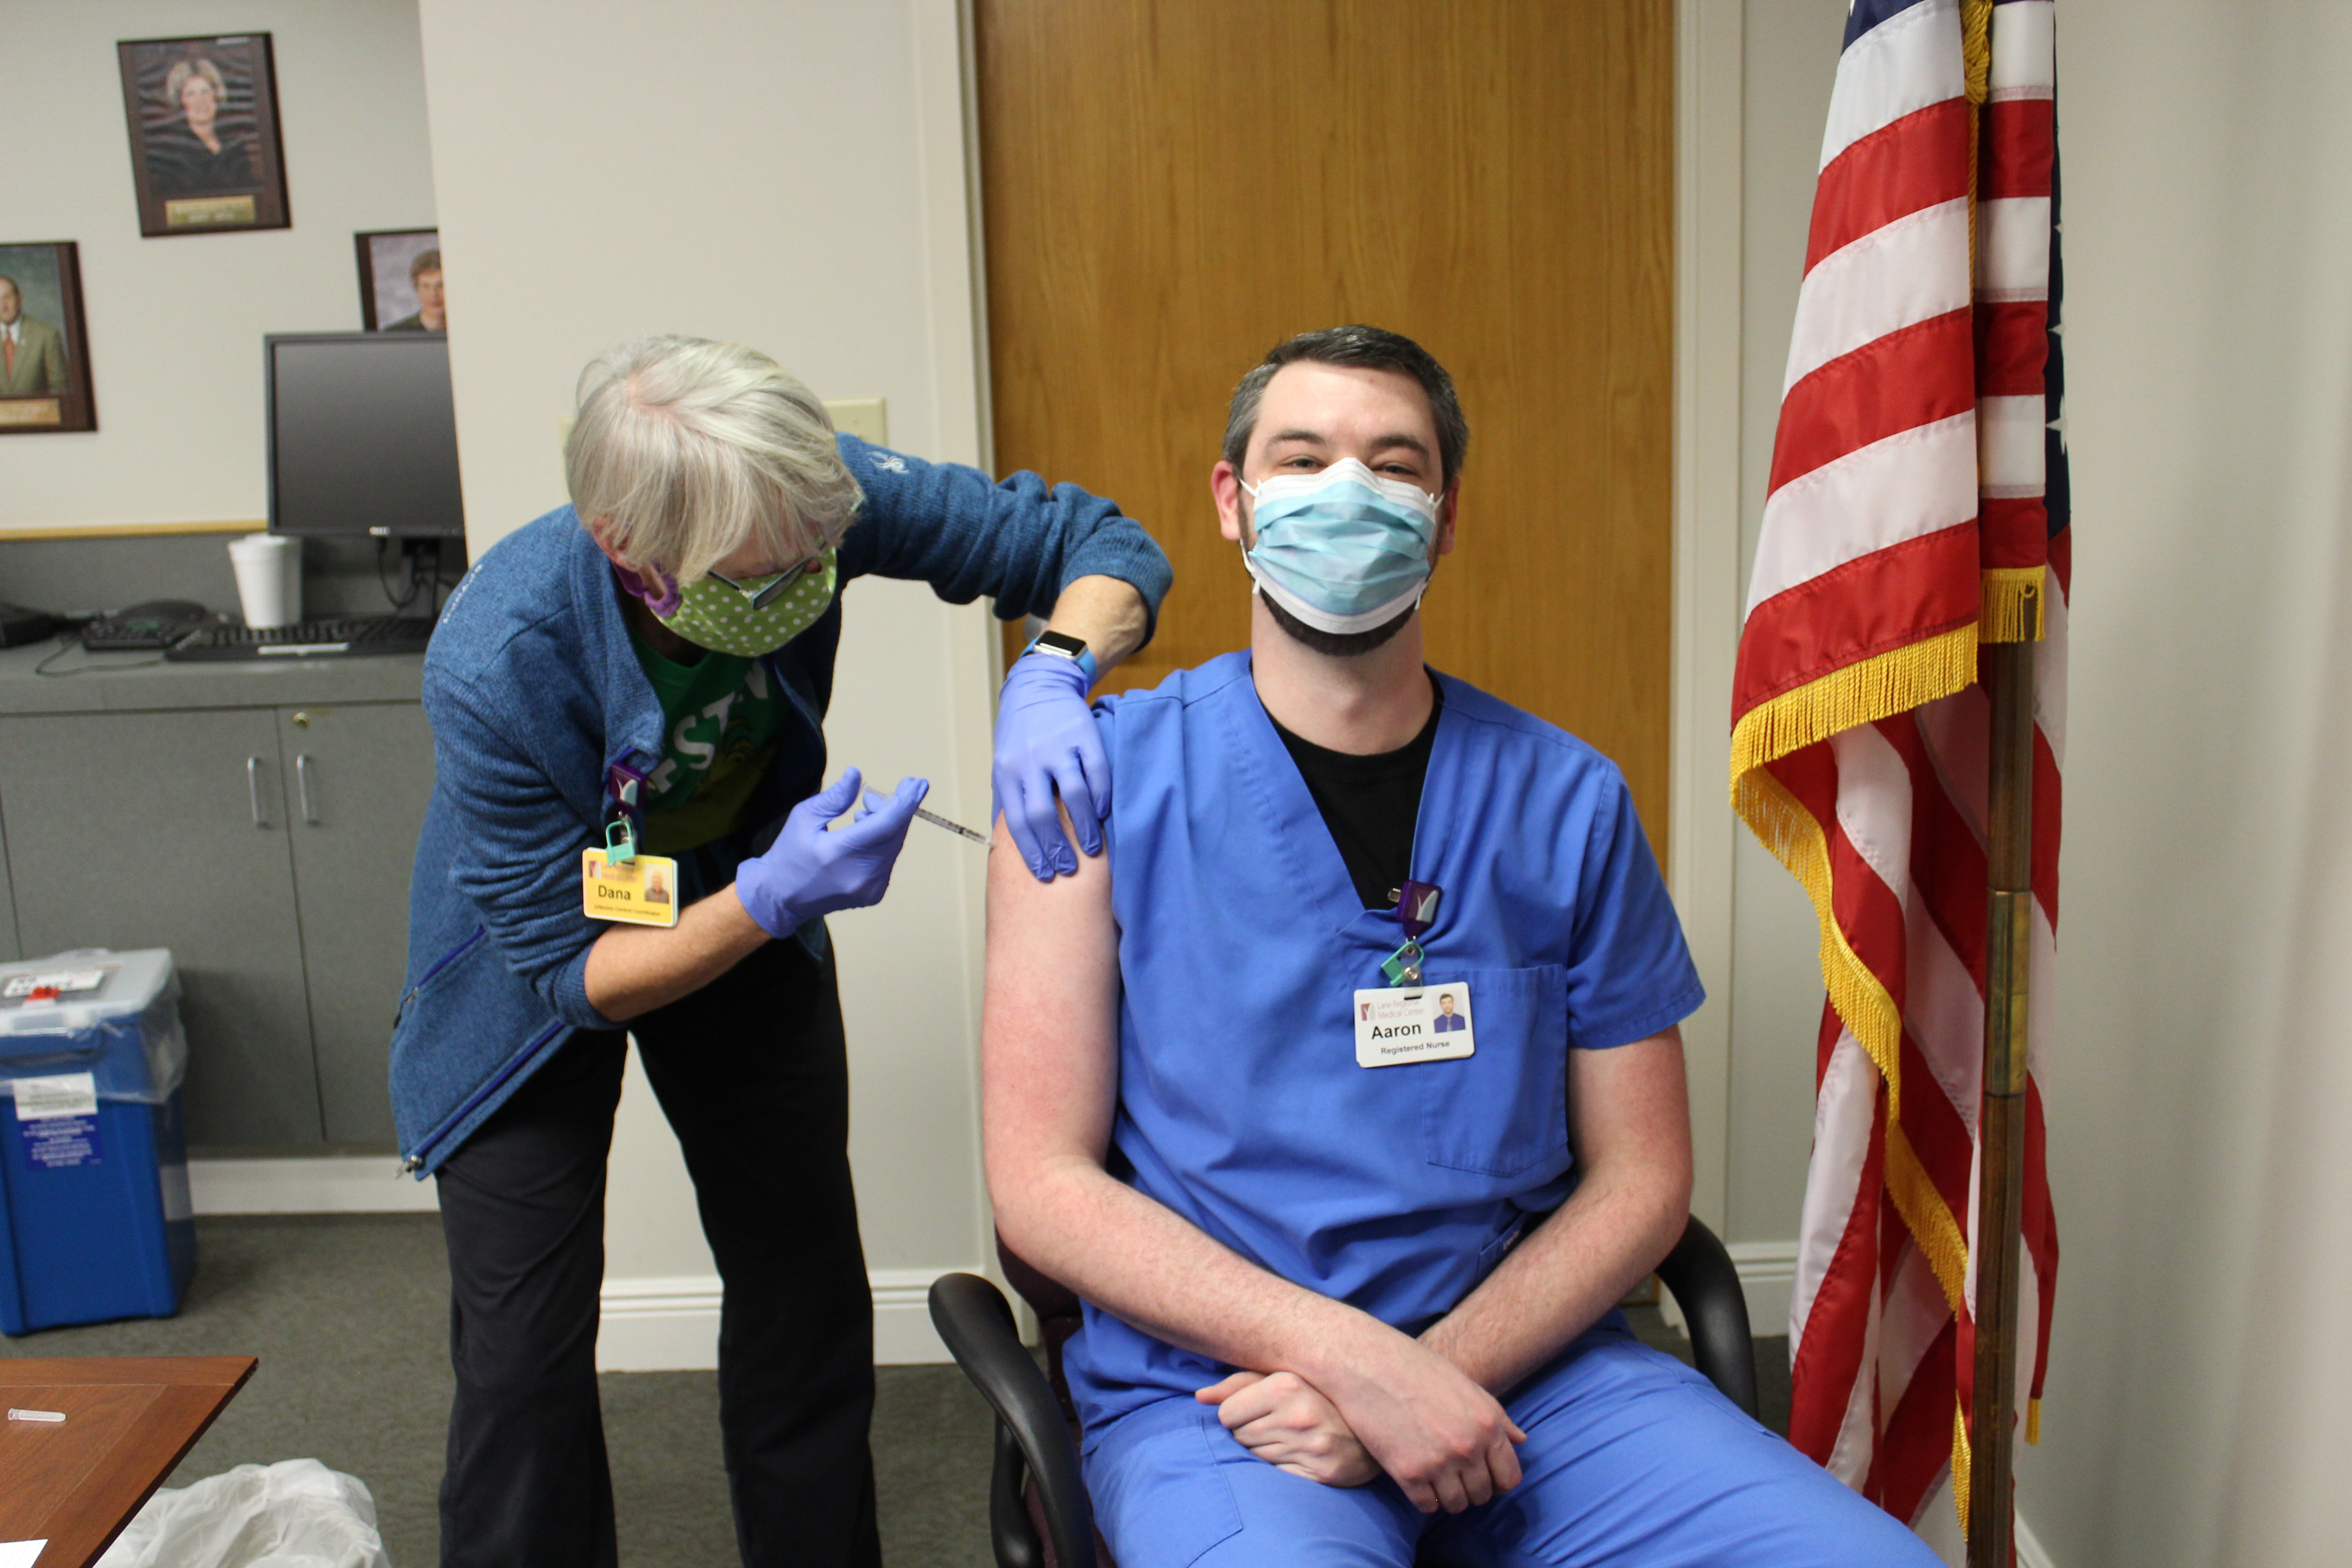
column 672, row 1325
column 1768, row 1278
column 329, row 1183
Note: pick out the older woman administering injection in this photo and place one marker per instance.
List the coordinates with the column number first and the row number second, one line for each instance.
column 632, row 688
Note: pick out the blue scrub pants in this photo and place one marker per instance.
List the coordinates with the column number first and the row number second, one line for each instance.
column 1632, row 1460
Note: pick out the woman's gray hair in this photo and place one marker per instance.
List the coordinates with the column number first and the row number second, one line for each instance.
column 686, row 450
column 196, row 64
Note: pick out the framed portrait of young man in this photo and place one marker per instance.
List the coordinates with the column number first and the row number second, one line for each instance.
column 204, row 148
column 44, row 348
column 399, row 281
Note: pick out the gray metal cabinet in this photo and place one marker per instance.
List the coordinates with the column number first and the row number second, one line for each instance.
column 168, row 829
column 8, row 948
column 257, row 819
column 357, row 776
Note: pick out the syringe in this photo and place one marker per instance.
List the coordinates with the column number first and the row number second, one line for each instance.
column 938, row 821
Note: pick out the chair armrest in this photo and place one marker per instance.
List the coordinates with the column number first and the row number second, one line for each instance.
column 972, row 1316
column 1705, row 1285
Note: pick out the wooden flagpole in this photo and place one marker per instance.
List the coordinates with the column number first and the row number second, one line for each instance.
column 2001, row 1127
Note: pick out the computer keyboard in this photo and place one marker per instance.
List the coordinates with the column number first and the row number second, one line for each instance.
column 343, row 637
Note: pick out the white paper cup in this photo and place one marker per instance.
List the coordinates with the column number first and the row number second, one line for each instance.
column 268, row 578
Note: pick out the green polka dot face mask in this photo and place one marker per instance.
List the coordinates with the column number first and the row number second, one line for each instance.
column 753, row 616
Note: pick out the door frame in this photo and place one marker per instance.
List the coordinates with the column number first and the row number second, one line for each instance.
column 1708, row 63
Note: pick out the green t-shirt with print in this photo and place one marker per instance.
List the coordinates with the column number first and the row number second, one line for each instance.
column 719, row 718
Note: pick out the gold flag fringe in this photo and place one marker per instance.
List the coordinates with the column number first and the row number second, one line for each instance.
column 2013, row 596
column 1789, row 830
column 1930, row 1220
column 1895, row 681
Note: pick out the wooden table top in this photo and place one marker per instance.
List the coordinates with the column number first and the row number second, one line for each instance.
column 128, row 1419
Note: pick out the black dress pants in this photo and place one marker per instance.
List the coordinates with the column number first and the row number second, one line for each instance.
column 753, row 1075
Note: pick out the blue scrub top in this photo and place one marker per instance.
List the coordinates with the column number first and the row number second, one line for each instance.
column 1241, row 944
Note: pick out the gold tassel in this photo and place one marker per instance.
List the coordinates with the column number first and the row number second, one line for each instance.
column 2013, row 604
column 1960, row 1465
column 1975, row 57
column 2034, row 1421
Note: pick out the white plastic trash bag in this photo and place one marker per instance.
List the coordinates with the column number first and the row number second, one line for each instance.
column 294, row 1514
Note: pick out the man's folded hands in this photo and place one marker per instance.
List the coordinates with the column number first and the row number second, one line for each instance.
column 1446, row 1442
column 1283, row 1419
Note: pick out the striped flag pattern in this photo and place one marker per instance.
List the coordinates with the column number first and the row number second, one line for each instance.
column 1917, row 488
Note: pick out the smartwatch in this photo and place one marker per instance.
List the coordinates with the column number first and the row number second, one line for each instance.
column 1062, row 644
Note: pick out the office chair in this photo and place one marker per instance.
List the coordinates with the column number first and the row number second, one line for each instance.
column 1038, row 1513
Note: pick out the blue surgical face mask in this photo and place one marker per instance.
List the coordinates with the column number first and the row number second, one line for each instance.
column 1344, row 549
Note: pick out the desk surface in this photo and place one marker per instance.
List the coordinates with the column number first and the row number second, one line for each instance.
column 128, row 1419
column 133, row 682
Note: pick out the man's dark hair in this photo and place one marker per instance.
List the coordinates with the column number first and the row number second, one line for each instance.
column 1372, row 349
column 427, row 261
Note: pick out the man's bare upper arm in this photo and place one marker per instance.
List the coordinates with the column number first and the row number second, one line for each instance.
column 1049, row 1028
column 1631, row 1108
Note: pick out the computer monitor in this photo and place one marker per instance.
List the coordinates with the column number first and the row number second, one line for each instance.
column 363, row 434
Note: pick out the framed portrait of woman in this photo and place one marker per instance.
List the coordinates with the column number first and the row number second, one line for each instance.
column 44, row 348
column 204, row 148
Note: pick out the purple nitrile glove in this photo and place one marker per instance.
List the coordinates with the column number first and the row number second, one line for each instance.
column 1046, row 741
column 811, row 871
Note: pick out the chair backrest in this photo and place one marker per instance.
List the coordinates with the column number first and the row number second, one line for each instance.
column 1059, row 1316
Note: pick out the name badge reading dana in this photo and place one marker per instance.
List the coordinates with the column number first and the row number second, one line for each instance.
column 1428, row 1025
column 640, row 892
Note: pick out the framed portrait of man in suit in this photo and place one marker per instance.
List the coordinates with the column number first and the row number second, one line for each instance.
column 204, row 149
column 44, row 349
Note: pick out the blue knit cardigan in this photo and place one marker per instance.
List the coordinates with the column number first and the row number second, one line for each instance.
column 534, row 690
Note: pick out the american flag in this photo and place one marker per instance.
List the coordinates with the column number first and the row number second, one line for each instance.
column 1918, row 486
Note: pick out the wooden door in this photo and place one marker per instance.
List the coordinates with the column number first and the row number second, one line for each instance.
column 1170, row 188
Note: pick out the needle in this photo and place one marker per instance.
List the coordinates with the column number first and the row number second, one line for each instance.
column 937, row 821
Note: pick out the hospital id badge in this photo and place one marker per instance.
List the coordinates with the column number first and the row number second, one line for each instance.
column 1427, row 1024
column 642, row 891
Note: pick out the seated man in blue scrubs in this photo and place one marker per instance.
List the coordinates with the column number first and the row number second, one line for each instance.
column 1352, row 1279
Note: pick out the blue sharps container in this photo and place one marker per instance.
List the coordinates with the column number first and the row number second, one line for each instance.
column 96, row 1222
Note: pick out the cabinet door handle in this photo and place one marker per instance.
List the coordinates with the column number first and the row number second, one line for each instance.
column 302, row 787
column 253, row 789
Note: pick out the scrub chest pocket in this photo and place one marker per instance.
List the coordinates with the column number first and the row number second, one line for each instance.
column 1502, row 1110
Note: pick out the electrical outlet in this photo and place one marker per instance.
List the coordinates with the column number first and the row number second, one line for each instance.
column 867, row 419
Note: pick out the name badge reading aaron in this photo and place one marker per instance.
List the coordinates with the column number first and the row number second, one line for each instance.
column 642, row 891
column 1428, row 1025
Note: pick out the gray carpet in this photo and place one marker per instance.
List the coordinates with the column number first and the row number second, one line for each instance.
column 349, row 1315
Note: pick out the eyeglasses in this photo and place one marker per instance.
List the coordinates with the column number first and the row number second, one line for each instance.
column 761, row 591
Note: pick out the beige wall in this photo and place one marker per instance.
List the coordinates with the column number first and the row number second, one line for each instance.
column 790, row 176
column 2200, row 1381
column 176, row 324
column 1789, row 59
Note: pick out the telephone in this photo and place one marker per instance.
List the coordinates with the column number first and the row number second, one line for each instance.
column 158, row 623
column 19, row 626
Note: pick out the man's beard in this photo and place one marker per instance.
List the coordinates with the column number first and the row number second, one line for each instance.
column 1336, row 645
